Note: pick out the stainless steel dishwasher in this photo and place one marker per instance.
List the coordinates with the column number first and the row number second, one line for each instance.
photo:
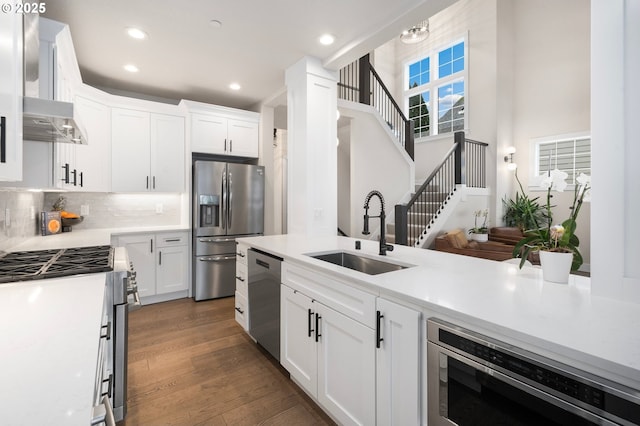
column 264, row 300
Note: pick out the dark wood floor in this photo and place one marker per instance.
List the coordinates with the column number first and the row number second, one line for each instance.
column 190, row 363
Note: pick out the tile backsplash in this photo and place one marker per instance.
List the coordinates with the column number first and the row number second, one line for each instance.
column 105, row 210
column 121, row 210
column 23, row 208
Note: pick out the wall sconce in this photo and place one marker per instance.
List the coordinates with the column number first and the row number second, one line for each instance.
column 509, row 158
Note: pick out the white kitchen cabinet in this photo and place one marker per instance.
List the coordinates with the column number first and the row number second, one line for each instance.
column 161, row 262
column 172, row 267
column 11, row 96
column 147, row 151
column 93, row 161
column 223, row 131
column 214, row 134
column 398, row 371
column 242, row 291
column 328, row 352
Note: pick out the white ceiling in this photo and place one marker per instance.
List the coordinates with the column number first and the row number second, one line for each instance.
column 185, row 57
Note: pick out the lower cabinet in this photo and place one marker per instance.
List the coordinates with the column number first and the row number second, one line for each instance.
column 161, row 262
column 330, row 355
column 242, row 293
column 357, row 355
column 398, row 372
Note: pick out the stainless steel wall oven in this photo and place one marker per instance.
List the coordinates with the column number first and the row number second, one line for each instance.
column 476, row 380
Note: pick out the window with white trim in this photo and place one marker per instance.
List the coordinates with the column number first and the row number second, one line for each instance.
column 569, row 153
column 436, row 83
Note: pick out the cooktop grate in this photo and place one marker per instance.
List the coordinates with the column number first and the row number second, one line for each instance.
column 41, row 264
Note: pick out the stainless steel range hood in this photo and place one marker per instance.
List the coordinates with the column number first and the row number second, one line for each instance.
column 44, row 119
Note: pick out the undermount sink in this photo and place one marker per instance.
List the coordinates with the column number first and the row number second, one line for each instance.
column 358, row 263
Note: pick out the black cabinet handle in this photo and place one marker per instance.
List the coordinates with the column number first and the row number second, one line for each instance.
column 239, row 310
column 66, row 173
column 151, row 242
column 3, row 139
column 310, row 315
column 225, row 144
column 81, row 180
column 239, row 278
column 75, row 177
column 378, row 331
column 318, row 335
column 154, row 182
column 230, row 145
column 147, row 182
column 160, row 257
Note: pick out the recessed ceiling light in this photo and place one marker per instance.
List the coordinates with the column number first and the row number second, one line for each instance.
column 327, row 39
column 137, row 33
column 215, row 23
column 131, row 68
column 234, row 86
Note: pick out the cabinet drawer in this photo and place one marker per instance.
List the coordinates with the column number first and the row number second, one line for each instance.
column 242, row 315
column 241, row 279
column 333, row 292
column 171, row 239
column 241, row 253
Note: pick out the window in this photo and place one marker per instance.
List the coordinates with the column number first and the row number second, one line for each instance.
column 569, row 153
column 436, row 82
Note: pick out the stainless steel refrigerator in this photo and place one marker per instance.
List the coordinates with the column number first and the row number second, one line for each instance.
column 227, row 202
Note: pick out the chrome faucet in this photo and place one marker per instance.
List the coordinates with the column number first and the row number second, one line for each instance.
column 384, row 247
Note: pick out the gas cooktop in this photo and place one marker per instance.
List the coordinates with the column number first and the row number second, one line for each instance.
column 41, row 264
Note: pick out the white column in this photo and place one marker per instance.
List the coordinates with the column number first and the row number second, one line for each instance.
column 615, row 107
column 312, row 150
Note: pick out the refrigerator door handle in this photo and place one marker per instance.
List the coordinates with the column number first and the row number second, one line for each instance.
column 216, row 240
column 216, row 258
column 223, row 207
column 230, row 199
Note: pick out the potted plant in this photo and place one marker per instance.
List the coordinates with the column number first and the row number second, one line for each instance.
column 556, row 242
column 523, row 212
column 480, row 233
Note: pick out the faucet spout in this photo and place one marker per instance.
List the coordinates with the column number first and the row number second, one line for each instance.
column 384, row 247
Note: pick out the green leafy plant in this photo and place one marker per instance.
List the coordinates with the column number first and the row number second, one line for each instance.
column 523, row 212
column 559, row 238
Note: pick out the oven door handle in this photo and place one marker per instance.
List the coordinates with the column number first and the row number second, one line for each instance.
column 435, row 372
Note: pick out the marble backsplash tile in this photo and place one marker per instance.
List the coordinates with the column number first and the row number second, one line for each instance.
column 24, row 210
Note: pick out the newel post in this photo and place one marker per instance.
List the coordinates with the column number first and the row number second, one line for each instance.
column 459, row 139
column 364, row 80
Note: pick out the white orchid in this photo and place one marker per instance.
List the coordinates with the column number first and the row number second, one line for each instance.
column 555, row 180
column 585, row 186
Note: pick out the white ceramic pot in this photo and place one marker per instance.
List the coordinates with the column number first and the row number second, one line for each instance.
column 481, row 238
column 556, row 266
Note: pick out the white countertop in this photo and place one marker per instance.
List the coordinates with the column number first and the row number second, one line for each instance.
column 88, row 237
column 49, row 338
column 562, row 319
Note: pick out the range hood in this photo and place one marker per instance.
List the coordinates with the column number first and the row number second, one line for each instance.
column 46, row 120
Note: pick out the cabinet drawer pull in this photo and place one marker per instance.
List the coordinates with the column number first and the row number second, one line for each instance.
column 172, row 240
column 239, row 278
column 239, row 310
column 160, row 257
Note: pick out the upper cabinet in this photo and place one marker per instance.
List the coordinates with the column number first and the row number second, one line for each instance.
column 11, row 96
column 147, row 151
column 223, row 131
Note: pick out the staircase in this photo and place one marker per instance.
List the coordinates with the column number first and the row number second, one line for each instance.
column 424, row 210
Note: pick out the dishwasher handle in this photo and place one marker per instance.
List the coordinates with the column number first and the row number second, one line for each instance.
column 262, row 263
column 216, row 258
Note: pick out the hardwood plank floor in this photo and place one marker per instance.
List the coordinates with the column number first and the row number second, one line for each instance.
column 190, row 363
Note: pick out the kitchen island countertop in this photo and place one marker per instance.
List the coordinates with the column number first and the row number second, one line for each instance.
column 49, row 349
column 563, row 321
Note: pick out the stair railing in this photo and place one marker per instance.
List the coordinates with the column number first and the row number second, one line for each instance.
column 464, row 163
column 359, row 82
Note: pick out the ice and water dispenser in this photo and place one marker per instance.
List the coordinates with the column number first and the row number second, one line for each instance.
column 209, row 211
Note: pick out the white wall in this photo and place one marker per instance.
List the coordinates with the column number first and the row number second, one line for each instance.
column 19, row 225
column 551, row 90
column 376, row 163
